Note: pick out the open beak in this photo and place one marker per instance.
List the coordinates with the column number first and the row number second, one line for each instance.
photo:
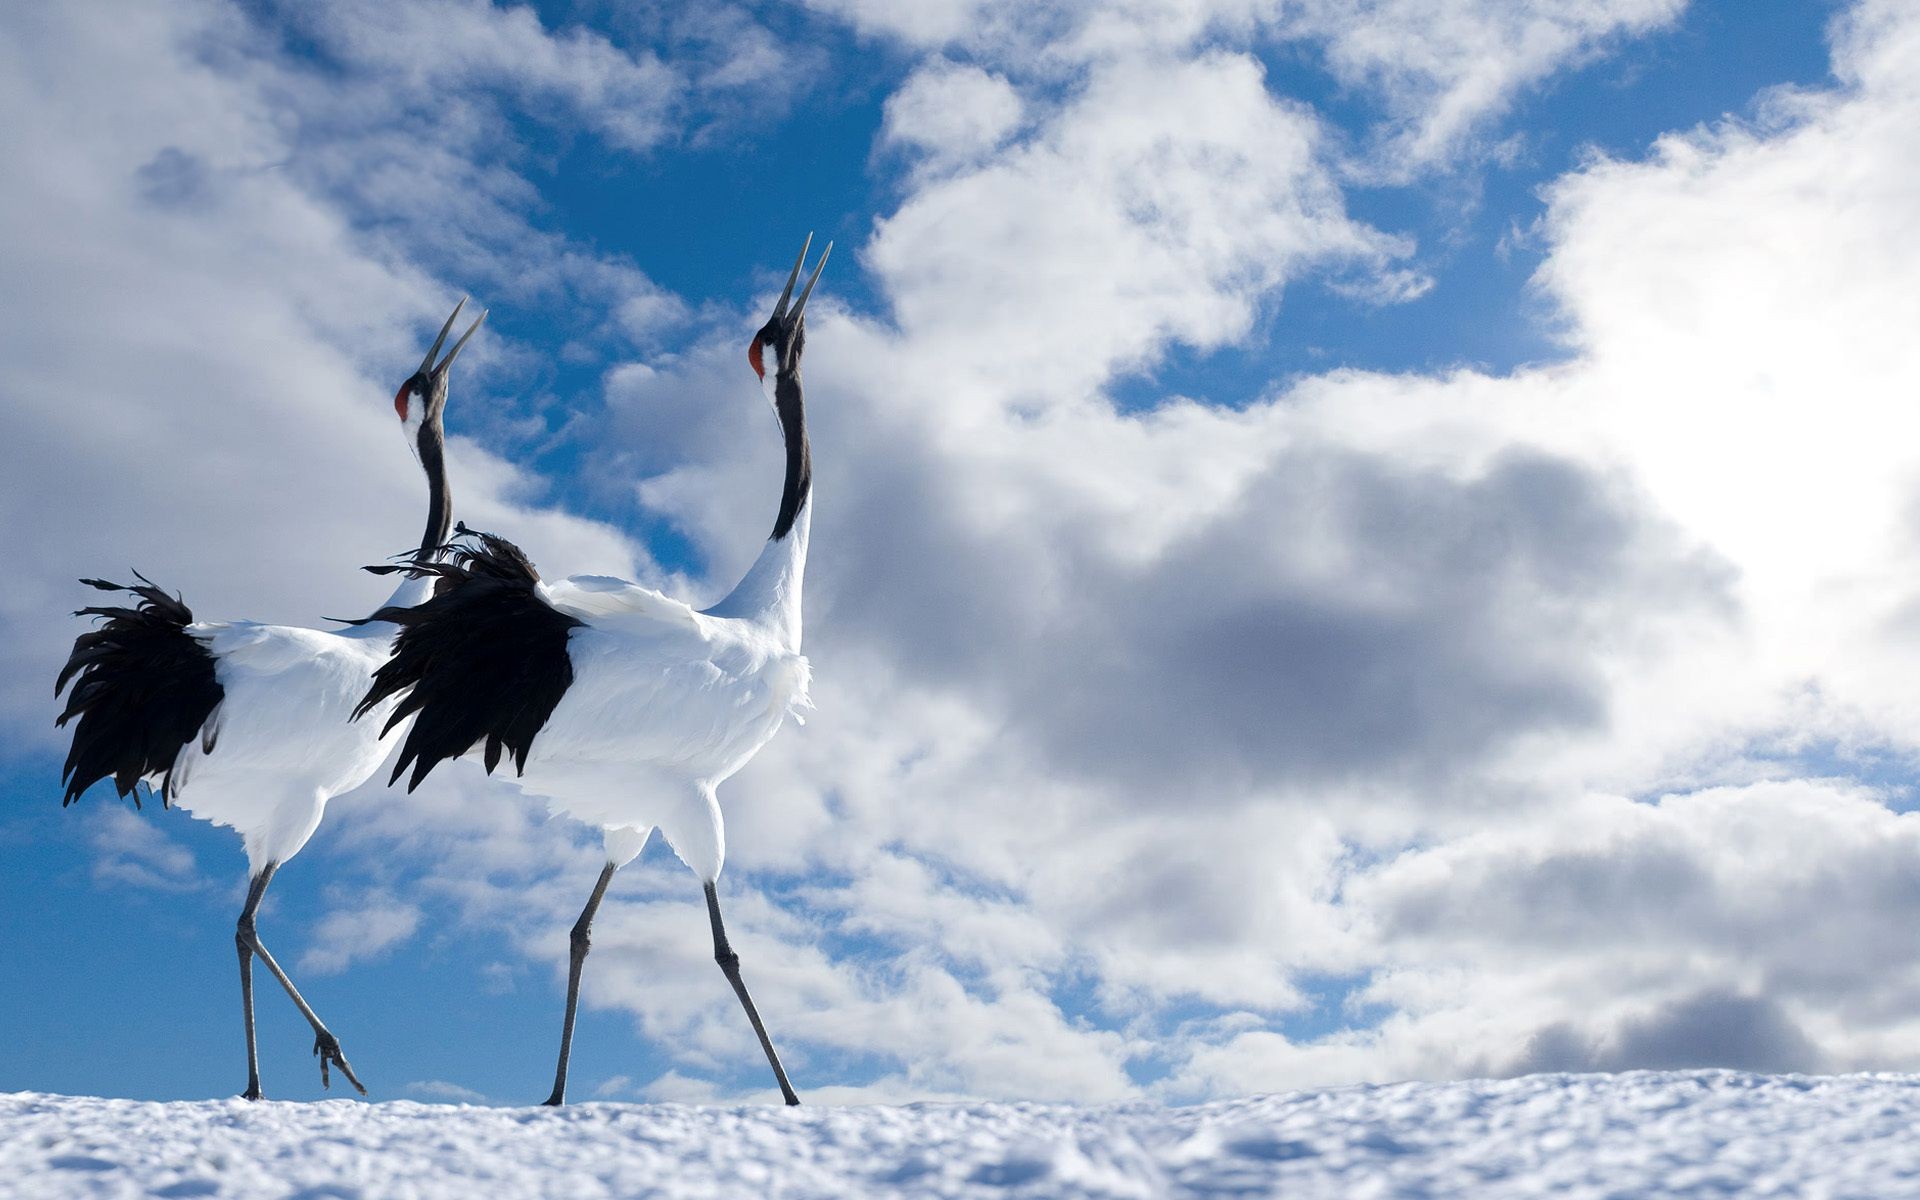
column 780, row 312
column 426, row 364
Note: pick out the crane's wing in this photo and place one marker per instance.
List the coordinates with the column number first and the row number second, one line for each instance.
column 484, row 660
column 288, row 694
column 602, row 599
column 254, row 649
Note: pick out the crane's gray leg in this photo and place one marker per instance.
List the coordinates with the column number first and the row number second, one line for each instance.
column 580, row 941
column 325, row 1045
column 256, row 888
column 730, row 964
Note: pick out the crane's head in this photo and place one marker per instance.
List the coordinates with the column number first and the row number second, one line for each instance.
column 423, row 397
column 776, row 348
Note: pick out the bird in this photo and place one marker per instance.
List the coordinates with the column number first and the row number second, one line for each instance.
column 622, row 707
column 247, row 724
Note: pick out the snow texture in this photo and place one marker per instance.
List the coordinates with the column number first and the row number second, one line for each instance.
column 1680, row 1134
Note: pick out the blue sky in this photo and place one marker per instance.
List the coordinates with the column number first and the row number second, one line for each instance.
column 1354, row 543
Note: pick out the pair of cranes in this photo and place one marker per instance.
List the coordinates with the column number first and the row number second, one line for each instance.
column 621, row 706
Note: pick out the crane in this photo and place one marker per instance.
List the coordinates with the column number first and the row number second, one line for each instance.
column 247, row 724
column 623, row 707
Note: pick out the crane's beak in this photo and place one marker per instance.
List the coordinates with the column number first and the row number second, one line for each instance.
column 780, row 312
column 426, row 364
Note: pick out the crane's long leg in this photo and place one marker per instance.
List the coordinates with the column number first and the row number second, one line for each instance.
column 580, row 942
column 325, row 1045
column 730, row 964
column 256, row 888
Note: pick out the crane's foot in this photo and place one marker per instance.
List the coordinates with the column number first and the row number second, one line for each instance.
column 253, row 1093
column 326, row 1048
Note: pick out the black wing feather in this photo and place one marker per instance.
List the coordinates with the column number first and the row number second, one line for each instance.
column 484, row 660
column 143, row 687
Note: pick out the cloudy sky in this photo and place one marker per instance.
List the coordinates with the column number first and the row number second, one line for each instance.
column 1353, row 541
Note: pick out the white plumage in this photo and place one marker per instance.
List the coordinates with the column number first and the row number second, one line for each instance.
column 622, row 707
column 282, row 742
column 666, row 703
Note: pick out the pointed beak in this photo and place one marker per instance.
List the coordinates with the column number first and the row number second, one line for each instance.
column 461, row 344
column 780, row 305
column 427, row 367
column 426, row 364
column 780, row 312
column 800, row 305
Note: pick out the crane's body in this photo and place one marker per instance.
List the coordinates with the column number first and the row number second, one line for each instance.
column 281, row 742
column 622, row 707
column 666, row 702
column 243, row 724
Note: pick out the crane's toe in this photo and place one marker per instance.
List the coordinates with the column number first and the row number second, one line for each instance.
column 326, row 1048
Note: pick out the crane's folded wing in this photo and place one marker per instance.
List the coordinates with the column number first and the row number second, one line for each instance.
column 602, row 599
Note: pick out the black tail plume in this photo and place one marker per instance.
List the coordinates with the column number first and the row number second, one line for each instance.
column 484, row 659
column 144, row 689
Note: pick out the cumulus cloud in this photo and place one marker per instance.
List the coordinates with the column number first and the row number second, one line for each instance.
column 1754, row 927
column 1159, row 207
column 952, row 114
column 1712, row 1028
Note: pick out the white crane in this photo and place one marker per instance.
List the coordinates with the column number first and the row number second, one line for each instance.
column 243, row 724
column 623, row 707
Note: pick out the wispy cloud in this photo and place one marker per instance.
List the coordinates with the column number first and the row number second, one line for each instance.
column 1436, row 77
column 366, row 928
column 130, row 849
column 440, row 1089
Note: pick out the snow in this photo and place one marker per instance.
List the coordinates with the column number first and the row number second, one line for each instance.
column 1679, row 1134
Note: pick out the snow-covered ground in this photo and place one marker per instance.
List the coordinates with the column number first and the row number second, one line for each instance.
column 1702, row 1133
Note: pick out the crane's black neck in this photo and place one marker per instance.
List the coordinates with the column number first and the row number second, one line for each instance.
column 433, row 460
column 790, row 407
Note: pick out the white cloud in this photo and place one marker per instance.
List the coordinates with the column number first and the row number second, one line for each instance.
column 1160, row 206
column 133, row 848
column 363, row 930
column 440, row 1089
column 1438, row 72
column 952, row 114
column 929, row 25
column 950, row 1031
column 1443, row 70
column 1757, row 927
column 428, row 51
